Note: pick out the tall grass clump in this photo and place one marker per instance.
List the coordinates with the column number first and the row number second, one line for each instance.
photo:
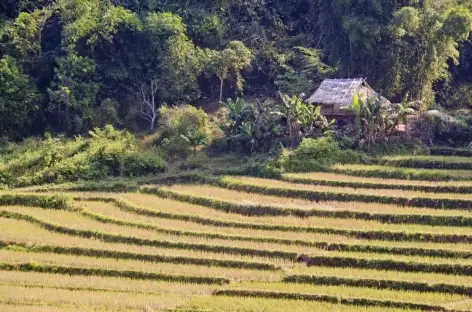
column 317, row 155
column 105, row 152
column 183, row 130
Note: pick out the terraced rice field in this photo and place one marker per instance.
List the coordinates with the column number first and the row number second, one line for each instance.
column 303, row 242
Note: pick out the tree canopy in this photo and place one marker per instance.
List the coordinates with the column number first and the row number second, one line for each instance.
column 83, row 63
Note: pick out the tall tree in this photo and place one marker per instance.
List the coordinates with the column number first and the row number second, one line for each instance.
column 402, row 47
column 230, row 62
column 18, row 99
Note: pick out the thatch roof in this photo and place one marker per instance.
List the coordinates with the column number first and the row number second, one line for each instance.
column 336, row 93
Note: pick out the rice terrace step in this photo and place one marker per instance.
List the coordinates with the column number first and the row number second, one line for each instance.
column 366, row 244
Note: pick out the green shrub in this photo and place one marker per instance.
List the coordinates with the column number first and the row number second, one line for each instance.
column 106, row 152
column 175, row 148
column 144, row 163
column 33, row 200
column 350, row 156
column 182, row 129
column 311, row 155
column 399, row 147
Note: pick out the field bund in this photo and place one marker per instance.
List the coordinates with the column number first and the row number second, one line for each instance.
column 233, row 243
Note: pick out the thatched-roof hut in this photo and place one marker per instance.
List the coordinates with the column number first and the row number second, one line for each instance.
column 336, row 93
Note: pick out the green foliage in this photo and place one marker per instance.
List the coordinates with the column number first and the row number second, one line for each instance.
column 24, row 33
column 399, row 146
column 230, row 62
column 183, row 127
column 142, row 164
column 18, row 99
column 108, row 152
column 303, row 69
column 206, row 28
column 85, row 63
column 239, row 110
column 72, row 97
column 449, row 151
column 303, row 119
column 97, row 24
column 312, row 155
column 197, row 161
column 376, row 119
column 460, row 97
column 412, row 42
column 33, row 200
column 441, row 128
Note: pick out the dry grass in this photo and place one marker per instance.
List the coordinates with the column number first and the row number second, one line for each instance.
column 31, row 291
column 347, row 224
column 113, row 212
column 95, row 283
column 74, row 220
column 19, row 307
column 109, row 210
column 354, row 292
column 284, row 202
column 326, row 176
column 465, row 305
column 234, row 304
column 317, row 252
column 464, row 174
column 347, row 190
column 26, row 233
column 15, row 257
column 89, row 300
column 429, row 158
column 382, row 274
column 77, row 221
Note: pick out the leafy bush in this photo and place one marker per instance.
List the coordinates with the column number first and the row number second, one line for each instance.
column 312, row 155
column 145, row 163
column 441, row 128
column 182, row 128
column 107, row 152
column 317, row 155
column 182, row 119
column 460, row 97
column 399, row 147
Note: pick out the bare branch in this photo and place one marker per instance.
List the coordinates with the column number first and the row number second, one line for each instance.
column 148, row 93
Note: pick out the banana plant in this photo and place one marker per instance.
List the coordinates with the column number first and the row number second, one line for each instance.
column 376, row 119
column 194, row 138
column 247, row 132
column 238, row 109
column 302, row 118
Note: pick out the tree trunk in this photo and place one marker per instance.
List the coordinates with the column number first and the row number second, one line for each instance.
column 221, row 90
column 153, row 121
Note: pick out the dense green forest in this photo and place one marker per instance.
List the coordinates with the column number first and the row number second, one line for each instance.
column 69, row 66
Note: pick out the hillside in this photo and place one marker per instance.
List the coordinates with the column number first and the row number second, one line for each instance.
column 306, row 242
column 72, row 65
column 235, row 156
